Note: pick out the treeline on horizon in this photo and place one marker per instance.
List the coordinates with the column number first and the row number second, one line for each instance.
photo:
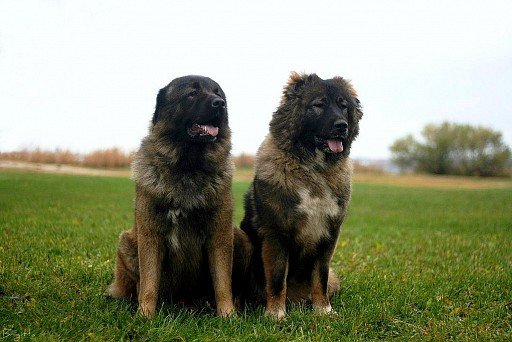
column 114, row 157
column 103, row 158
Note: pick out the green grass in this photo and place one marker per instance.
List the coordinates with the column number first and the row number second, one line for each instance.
column 415, row 264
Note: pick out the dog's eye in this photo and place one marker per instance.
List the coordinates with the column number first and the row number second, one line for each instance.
column 318, row 104
column 217, row 92
column 192, row 93
column 342, row 103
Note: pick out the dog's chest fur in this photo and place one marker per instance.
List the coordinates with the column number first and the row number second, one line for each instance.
column 174, row 216
column 184, row 202
column 184, row 235
column 184, row 191
column 317, row 210
column 322, row 192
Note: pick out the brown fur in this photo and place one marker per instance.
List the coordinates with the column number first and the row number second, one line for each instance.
column 298, row 200
column 180, row 248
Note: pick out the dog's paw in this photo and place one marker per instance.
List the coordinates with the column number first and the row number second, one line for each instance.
column 146, row 311
column 226, row 311
column 324, row 309
column 113, row 291
column 276, row 313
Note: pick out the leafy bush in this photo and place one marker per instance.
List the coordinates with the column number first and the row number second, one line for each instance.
column 454, row 149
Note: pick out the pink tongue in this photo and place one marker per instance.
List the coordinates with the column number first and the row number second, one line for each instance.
column 335, row 145
column 213, row 131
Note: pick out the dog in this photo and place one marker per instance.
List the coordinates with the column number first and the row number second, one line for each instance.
column 180, row 247
column 300, row 193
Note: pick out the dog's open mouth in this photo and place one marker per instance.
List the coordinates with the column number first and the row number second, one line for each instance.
column 331, row 145
column 203, row 131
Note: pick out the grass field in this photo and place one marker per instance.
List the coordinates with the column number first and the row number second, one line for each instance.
column 415, row 262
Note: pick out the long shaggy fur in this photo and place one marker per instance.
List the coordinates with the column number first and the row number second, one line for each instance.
column 180, row 248
column 300, row 194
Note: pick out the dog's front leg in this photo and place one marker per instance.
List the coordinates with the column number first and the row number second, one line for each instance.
column 275, row 266
column 220, row 259
column 320, row 277
column 150, row 266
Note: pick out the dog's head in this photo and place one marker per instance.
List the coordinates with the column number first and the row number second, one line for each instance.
column 191, row 109
column 317, row 114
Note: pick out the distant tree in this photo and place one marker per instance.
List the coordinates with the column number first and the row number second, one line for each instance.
column 454, row 149
column 405, row 151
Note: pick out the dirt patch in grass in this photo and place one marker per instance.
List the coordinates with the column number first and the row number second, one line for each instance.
column 246, row 175
column 428, row 181
column 62, row 169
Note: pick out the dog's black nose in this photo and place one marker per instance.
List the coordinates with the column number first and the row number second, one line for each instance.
column 341, row 125
column 218, row 102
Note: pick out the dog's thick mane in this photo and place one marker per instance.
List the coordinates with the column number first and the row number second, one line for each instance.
column 186, row 175
column 279, row 168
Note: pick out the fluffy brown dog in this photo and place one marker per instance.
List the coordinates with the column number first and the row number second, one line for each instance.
column 181, row 245
column 301, row 190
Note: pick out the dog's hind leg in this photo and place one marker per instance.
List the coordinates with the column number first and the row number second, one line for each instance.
column 299, row 292
column 333, row 284
column 241, row 281
column 127, row 268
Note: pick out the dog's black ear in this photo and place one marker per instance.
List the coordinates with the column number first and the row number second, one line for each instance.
column 358, row 108
column 297, row 81
column 161, row 100
column 353, row 93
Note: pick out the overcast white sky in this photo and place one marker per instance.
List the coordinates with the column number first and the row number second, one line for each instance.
column 84, row 74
